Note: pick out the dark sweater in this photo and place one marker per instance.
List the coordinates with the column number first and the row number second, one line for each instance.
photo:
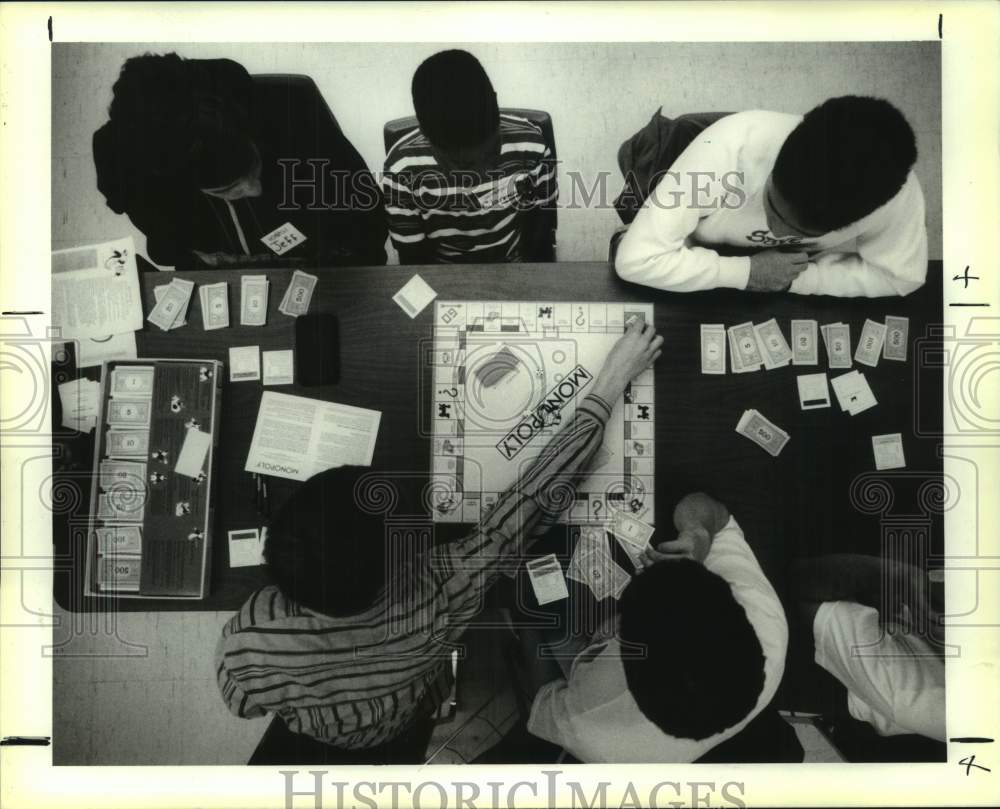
column 288, row 120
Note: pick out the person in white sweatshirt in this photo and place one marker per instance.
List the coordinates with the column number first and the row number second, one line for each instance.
column 828, row 201
column 698, row 652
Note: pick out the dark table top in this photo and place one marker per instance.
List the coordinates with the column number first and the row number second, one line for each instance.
column 818, row 496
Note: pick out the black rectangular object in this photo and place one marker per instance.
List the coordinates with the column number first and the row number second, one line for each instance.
column 317, row 349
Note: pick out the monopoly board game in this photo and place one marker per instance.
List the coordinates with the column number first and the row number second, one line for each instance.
column 506, row 377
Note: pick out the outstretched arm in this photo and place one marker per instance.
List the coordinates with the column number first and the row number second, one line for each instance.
column 468, row 566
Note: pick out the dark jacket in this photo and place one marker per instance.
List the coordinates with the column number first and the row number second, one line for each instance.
column 651, row 151
column 341, row 216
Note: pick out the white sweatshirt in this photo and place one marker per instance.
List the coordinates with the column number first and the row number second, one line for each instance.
column 695, row 206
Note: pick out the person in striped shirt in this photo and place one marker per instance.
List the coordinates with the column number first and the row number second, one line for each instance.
column 352, row 643
column 470, row 184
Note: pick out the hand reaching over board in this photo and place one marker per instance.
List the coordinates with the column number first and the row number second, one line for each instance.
column 637, row 349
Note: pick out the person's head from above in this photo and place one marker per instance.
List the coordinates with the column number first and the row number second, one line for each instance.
column 177, row 119
column 845, row 159
column 692, row 660
column 228, row 165
column 324, row 550
column 457, row 110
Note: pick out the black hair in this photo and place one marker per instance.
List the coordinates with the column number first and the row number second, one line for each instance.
column 692, row 660
column 184, row 118
column 454, row 99
column 847, row 157
column 324, row 551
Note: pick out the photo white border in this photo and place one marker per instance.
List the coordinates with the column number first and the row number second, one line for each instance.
column 971, row 170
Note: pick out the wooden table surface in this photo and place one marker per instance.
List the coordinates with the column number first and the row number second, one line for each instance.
column 800, row 503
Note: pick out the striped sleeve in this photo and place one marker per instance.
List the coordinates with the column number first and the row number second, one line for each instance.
column 406, row 225
column 238, row 702
column 545, row 189
column 262, row 607
column 466, row 568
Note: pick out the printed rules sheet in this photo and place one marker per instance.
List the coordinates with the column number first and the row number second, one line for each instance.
column 296, row 437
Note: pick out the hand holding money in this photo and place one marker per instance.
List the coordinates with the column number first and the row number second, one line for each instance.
column 691, row 543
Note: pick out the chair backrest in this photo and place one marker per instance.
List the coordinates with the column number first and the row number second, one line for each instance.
column 395, row 129
column 276, row 82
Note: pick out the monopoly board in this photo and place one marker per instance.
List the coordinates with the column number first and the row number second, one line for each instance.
column 506, row 377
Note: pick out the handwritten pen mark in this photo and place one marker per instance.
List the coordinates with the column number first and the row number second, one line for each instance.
column 971, row 739
column 11, row 741
column 13, row 313
column 50, row 29
column 969, row 762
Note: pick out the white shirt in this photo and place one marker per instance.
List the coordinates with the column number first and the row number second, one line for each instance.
column 594, row 716
column 699, row 204
column 895, row 682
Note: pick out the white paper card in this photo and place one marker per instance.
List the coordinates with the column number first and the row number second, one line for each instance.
column 244, row 363
column 95, row 350
column 279, row 367
column 80, row 400
column 95, row 290
column 246, row 548
column 283, row 238
column 191, row 459
column 414, row 296
column 813, row 391
column 296, row 437
column 888, row 451
column 546, row 576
